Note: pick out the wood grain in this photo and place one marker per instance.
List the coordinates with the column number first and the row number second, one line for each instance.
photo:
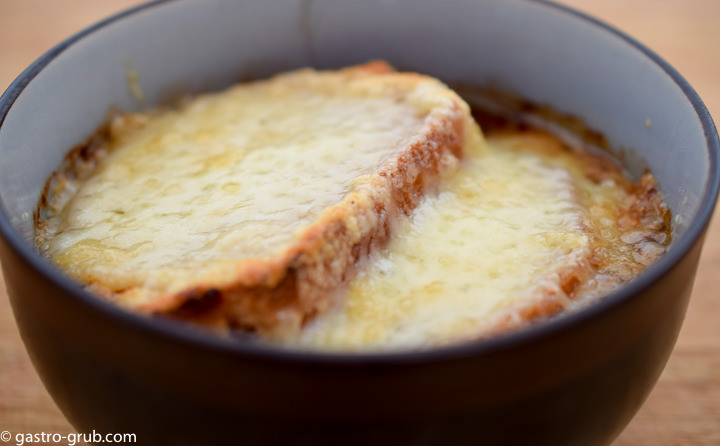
column 683, row 409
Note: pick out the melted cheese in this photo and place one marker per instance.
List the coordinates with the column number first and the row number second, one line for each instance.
column 237, row 175
column 494, row 236
column 230, row 176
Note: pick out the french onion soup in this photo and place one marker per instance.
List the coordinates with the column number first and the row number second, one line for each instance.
column 350, row 210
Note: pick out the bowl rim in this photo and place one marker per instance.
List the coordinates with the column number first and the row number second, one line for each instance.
column 178, row 331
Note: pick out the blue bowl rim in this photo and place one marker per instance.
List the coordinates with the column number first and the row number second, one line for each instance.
column 172, row 330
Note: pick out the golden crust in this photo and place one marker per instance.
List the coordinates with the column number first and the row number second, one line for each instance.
column 277, row 295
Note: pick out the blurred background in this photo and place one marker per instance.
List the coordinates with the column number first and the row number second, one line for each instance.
column 684, row 407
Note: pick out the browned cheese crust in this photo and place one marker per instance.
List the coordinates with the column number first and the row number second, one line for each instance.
column 277, row 295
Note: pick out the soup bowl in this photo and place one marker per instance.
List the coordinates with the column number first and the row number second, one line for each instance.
column 574, row 379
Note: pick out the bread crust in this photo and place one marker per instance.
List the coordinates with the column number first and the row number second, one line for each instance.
column 279, row 295
column 276, row 295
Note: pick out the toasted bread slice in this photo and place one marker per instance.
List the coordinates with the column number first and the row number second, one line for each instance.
column 251, row 207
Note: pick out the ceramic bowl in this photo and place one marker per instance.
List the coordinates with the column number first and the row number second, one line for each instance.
column 574, row 380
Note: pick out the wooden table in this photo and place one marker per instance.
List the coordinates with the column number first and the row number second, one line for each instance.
column 684, row 408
